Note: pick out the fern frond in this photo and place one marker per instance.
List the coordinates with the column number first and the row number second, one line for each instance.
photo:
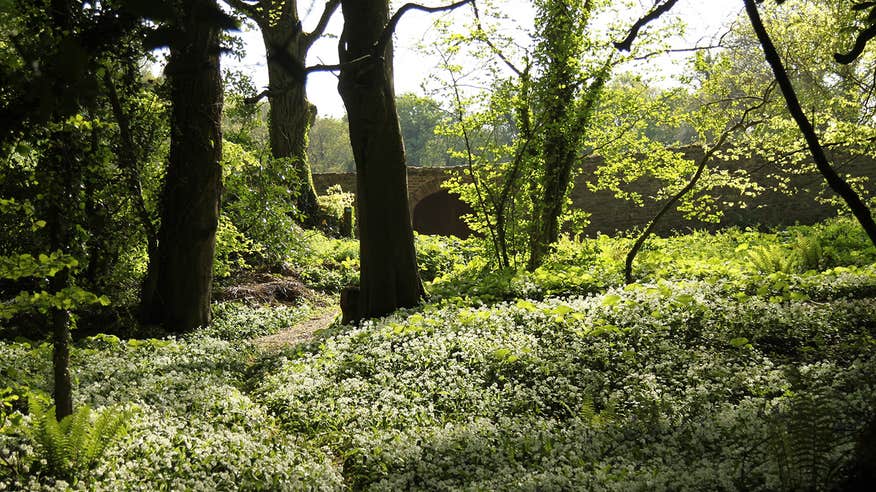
column 74, row 445
column 809, row 252
column 49, row 436
column 111, row 424
column 804, row 441
column 773, row 258
column 77, row 433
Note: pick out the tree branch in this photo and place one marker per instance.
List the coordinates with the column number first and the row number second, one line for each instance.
column 385, row 36
column 653, row 15
column 860, row 43
column 258, row 97
column 389, row 30
column 701, row 166
column 250, row 10
column 331, row 6
column 676, row 50
column 837, row 184
column 490, row 44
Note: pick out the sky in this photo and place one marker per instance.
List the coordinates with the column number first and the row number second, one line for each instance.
column 703, row 17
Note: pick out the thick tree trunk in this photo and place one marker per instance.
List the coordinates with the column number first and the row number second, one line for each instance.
column 291, row 113
column 180, row 278
column 389, row 276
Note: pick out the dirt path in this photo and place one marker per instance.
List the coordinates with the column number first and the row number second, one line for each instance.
column 302, row 332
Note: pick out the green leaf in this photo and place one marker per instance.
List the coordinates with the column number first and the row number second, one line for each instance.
column 685, row 299
column 525, row 305
column 739, row 342
column 611, row 300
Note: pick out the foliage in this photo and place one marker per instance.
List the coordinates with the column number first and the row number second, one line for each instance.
column 234, row 321
column 194, row 427
column 437, row 255
column 259, row 201
column 709, row 374
column 232, row 249
column 746, row 258
column 24, row 266
column 328, row 146
column 419, row 116
column 333, row 205
column 662, row 385
column 328, row 264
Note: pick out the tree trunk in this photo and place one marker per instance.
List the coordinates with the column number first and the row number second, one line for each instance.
column 60, row 318
column 179, row 282
column 291, row 113
column 389, row 277
column 565, row 121
column 61, row 176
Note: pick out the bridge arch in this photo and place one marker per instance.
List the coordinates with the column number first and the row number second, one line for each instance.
column 441, row 213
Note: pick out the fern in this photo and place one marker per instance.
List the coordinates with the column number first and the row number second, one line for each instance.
column 809, row 252
column 773, row 258
column 804, row 441
column 74, row 445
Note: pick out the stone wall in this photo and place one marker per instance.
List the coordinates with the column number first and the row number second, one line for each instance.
column 610, row 215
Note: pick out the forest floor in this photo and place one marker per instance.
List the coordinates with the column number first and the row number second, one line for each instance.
column 301, row 332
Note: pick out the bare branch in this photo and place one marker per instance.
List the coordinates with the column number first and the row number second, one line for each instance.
column 258, row 97
column 676, row 50
column 331, row 6
column 322, row 67
column 490, row 44
column 860, row 43
column 653, row 15
column 385, row 36
column 389, row 30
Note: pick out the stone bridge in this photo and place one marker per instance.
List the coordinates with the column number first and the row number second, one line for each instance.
column 435, row 211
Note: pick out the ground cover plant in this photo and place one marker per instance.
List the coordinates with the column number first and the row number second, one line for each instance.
column 720, row 369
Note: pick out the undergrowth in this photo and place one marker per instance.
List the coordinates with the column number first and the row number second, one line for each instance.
column 738, row 361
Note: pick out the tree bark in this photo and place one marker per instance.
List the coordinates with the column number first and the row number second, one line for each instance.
column 389, row 277
column 60, row 176
column 291, row 114
column 836, row 183
column 179, row 282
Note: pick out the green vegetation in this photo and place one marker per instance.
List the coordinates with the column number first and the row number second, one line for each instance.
column 717, row 370
column 168, row 275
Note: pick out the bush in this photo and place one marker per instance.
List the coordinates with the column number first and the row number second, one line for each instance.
column 332, row 206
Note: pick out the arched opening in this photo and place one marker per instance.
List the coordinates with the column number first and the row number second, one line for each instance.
column 441, row 213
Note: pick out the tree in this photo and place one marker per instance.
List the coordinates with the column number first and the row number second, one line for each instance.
column 565, row 103
column 291, row 115
column 51, row 79
column 178, row 285
column 841, row 187
column 389, row 276
column 418, row 117
column 328, row 147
